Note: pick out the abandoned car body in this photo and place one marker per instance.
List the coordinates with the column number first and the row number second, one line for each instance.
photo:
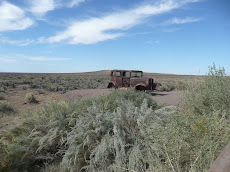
column 131, row 78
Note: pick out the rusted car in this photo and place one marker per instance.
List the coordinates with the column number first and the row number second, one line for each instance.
column 131, row 78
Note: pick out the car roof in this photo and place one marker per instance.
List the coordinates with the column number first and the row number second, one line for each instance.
column 126, row 70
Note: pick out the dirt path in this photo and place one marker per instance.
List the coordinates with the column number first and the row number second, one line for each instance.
column 163, row 98
column 167, row 98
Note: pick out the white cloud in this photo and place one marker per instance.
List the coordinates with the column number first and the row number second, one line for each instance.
column 94, row 30
column 8, row 60
column 17, row 42
column 40, row 7
column 41, row 58
column 22, row 57
column 176, row 20
column 75, row 3
column 13, row 17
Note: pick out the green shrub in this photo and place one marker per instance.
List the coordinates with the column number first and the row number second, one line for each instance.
column 112, row 141
column 167, row 86
column 136, row 97
column 41, row 91
column 34, row 85
column 45, row 138
column 30, row 98
column 5, row 108
column 2, row 97
column 189, row 143
column 2, row 89
column 211, row 95
column 183, row 85
column 207, row 117
column 24, row 87
column 56, row 167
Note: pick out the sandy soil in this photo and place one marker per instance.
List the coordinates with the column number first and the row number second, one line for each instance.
column 79, row 94
column 163, row 98
column 167, row 98
column 16, row 97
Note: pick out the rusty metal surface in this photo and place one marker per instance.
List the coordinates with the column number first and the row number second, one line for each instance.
column 131, row 78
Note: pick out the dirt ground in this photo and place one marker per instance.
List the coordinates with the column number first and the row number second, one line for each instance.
column 162, row 98
column 17, row 98
column 171, row 98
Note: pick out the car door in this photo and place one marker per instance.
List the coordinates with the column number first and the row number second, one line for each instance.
column 126, row 79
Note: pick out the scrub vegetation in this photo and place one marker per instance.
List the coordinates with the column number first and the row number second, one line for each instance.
column 123, row 131
column 5, row 108
column 2, row 97
column 51, row 82
column 30, row 98
column 92, row 80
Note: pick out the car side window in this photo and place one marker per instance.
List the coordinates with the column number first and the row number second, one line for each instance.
column 136, row 74
column 118, row 73
column 133, row 74
column 127, row 74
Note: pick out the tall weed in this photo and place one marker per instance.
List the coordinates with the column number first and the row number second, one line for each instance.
column 209, row 96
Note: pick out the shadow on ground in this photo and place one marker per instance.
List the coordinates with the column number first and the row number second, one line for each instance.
column 158, row 94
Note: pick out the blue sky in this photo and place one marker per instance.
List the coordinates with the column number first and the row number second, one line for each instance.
column 163, row 36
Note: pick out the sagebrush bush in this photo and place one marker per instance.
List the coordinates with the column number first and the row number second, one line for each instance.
column 2, row 89
column 213, row 94
column 46, row 135
column 169, row 86
column 114, row 141
column 41, row 91
column 30, row 98
column 24, row 87
column 5, row 108
column 192, row 143
column 183, row 85
column 2, row 97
